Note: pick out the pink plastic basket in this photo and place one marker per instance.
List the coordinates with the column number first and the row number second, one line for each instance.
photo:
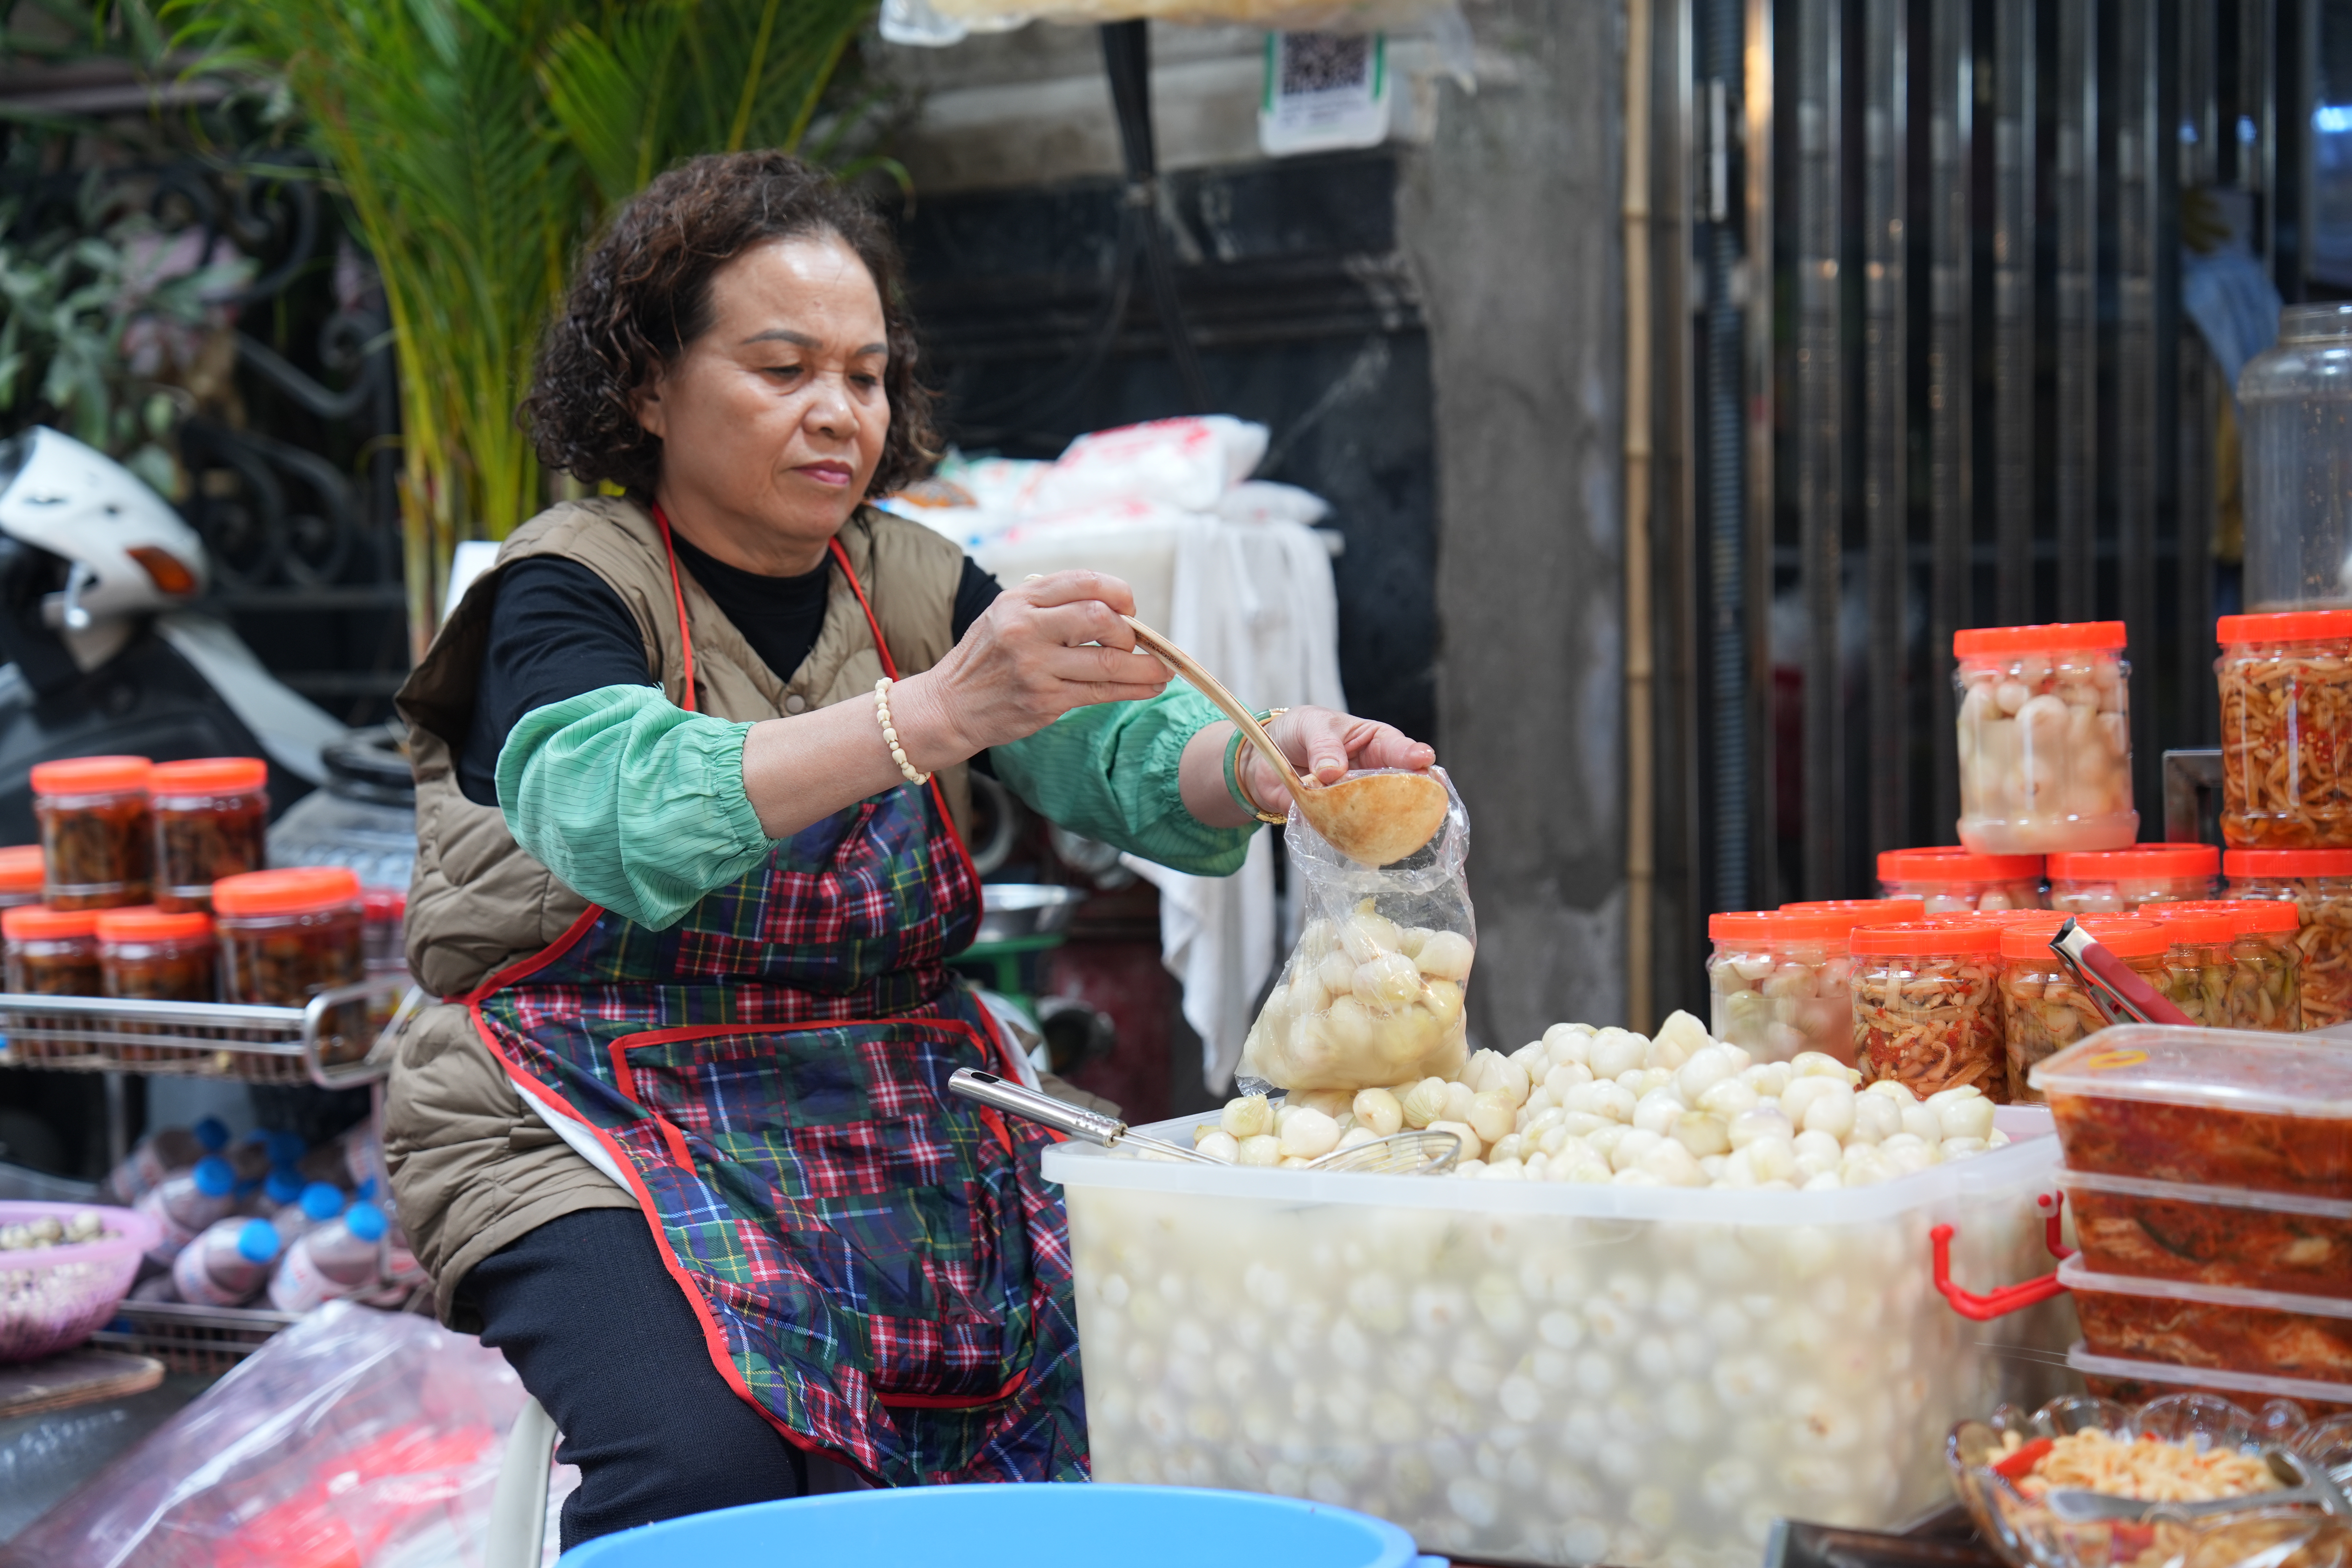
column 55, row 1297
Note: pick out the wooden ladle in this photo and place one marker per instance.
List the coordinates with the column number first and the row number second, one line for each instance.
column 1373, row 820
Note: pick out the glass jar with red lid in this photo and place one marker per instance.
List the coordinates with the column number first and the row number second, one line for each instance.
column 94, row 831
column 2234, row 963
column 1777, row 978
column 1953, row 879
column 1927, row 1005
column 2043, row 1008
column 48, row 952
column 147, row 954
column 21, row 874
column 2318, row 884
column 2044, row 738
column 2285, row 685
column 211, row 816
column 287, row 935
column 2119, row 881
column 385, row 912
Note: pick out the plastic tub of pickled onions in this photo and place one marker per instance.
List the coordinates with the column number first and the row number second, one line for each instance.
column 1016, row 1527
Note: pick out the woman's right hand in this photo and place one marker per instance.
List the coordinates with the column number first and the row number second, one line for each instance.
column 1045, row 646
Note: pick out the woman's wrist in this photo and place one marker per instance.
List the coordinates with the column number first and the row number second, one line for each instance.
column 924, row 720
column 1200, row 775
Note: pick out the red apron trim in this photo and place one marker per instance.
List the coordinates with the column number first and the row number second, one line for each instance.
column 523, row 969
column 714, row 1339
column 677, row 590
column 953, row 1400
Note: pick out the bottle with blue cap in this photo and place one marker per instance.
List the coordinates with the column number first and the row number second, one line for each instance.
column 228, row 1264
column 320, row 1201
column 340, row 1257
column 186, row 1204
column 279, row 1191
column 160, row 1156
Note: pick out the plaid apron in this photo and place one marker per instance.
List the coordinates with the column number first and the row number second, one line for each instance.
column 878, row 1268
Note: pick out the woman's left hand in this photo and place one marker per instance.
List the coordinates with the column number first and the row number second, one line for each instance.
column 1321, row 744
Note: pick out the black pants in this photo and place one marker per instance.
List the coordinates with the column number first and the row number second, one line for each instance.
column 585, row 1313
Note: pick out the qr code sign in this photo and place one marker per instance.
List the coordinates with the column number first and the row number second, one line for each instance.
column 1325, row 62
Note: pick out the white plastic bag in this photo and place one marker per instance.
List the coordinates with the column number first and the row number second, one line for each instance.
column 1188, row 463
column 1373, row 995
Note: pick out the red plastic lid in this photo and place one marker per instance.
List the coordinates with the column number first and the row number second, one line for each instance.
column 2011, row 917
column 2246, row 914
column 1854, row 912
column 38, row 923
column 2286, row 625
column 210, row 776
column 2203, row 928
column 91, row 776
column 1951, row 863
column 21, row 868
column 383, row 903
column 2052, row 636
column 2139, row 860
column 1945, row 936
column 2126, row 936
column 296, row 891
column 2281, row 862
column 145, row 922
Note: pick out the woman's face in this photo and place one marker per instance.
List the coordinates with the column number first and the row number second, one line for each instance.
column 772, row 420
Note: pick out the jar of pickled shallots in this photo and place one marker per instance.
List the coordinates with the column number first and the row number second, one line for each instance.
column 287, row 935
column 2251, row 978
column 2119, row 881
column 2043, row 1008
column 2286, row 728
column 1777, row 978
column 2317, row 883
column 22, row 875
column 210, row 817
column 48, row 952
column 94, row 832
column 2044, row 738
column 158, row 955
column 1927, row 1005
column 1950, row 879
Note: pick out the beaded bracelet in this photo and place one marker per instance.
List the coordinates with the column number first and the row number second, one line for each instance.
column 1233, row 774
column 890, row 735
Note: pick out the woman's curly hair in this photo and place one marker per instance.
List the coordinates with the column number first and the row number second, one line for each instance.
column 642, row 293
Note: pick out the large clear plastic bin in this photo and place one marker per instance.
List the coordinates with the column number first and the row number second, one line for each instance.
column 1553, row 1372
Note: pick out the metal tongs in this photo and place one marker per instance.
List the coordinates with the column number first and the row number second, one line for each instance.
column 2118, row 992
column 2306, row 1483
column 1418, row 1153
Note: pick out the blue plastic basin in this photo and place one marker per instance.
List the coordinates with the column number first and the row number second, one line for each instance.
column 1013, row 1527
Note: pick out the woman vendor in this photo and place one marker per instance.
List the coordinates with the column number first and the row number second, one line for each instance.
column 691, row 781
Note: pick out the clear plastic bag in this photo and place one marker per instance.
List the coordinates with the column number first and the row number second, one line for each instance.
column 356, row 1437
column 1373, row 993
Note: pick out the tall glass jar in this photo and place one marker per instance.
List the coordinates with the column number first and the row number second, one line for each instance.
column 287, row 935
column 1952, row 880
column 2295, row 404
column 2286, row 730
column 2044, row 738
column 1776, row 983
column 210, row 816
column 2119, row 881
column 2318, row 883
column 94, row 832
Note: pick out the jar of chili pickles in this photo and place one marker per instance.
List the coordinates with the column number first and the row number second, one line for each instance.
column 2317, row 884
column 158, row 955
column 287, row 935
column 21, row 876
column 1950, row 879
column 210, row 817
column 2286, row 728
column 2044, row 738
column 1927, row 1005
column 94, row 831
column 2044, row 1007
column 2119, row 881
column 2248, row 978
column 50, row 952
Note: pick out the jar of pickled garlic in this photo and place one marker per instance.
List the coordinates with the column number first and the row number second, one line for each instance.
column 1927, row 1005
column 2043, row 1008
column 94, row 832
column 285, row 936
column 1777, row 979
column 21, row 874
column 2318, row 884
column 2044, row 738
column 2119, row 881
column 210, row 816
column 1952, row 880
column 2256, row 973
column 48, row 952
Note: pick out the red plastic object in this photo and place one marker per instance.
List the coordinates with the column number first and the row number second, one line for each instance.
column 2008, row 1297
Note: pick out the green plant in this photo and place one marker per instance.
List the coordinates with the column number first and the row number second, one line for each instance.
column 478, row 143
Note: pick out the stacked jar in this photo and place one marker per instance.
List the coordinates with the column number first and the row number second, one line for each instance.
column 21, row 876
column 2044, row 1008
column 2286, row 730
column 2119, row 881
column 384, row 911
column 286, row 936
column 210, row 817
column 1927, row 1005
column 2234, row 964
column 48, row 952
column 2044, row 738
column 1953, row 879
column 94, row 831
column 2317, row 883
column 147, row 954
column 1777, row 981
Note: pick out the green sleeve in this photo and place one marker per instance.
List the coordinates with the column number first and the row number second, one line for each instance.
column 1108, row 771
column 635, row 802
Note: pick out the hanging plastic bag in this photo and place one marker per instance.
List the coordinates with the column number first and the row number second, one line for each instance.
column 354, row 1439
column 1373, row 993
